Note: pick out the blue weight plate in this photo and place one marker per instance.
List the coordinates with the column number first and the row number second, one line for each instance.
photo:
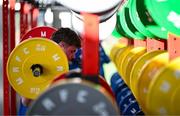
column 125, row 95
column 120, row 96
column 132, row 108
column 117, row 83
column 115, row 77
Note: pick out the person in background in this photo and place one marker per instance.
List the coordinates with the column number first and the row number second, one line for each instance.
column 103, row 58
column 69, row 41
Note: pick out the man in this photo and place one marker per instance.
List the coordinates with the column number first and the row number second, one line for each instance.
column 69, row 41
column 103, row 58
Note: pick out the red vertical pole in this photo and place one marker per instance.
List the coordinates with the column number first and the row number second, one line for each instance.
column 12, row 45
column 90, row 62
column 34, row 17
column 22, row 20
column 26, row 11
column 26, row 23
column 6, row 108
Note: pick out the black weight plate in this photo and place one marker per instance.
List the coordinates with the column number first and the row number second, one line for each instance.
column 73, row 97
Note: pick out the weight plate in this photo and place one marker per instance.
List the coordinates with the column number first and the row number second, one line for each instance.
column 137, row 68
column 100, row 8
column 122, row 94
column 163, row 96
column 42, row 31
column 175, row 101
column 131, row 27
column 132, row 109
column 117, row 83
column 158, row 31
column 76, row 74
column 114, row 50
column 118, row 52
column 136, row 20
column 165, row 13
column 74, row 97
column 129, row 60
column 104, row 83
column 120, row 56
column 148, row 21
column 119, row 26
column 125, row 20
column 36, row 51
column 148, row 71
column 116, row 34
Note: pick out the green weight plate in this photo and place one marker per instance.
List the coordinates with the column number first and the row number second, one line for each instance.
column 166, row 13
column 125, row 23
column 130, row 25
column 116, row 34
column 136, row 20
column 119, row 27
column 125, row 26
column 148, row 21
column 157, row 30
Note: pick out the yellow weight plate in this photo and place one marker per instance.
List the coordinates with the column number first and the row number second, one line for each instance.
column 164, row 90
column 114, row 50
column 129, row 60
column 137, row 68
column 46, row 55
column 175, row 99
column 120, row 56
column 148, row 71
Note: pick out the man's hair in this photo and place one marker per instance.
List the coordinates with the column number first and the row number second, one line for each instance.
column 66, row 35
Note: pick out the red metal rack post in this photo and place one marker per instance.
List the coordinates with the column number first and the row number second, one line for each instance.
column 12, row 45
column 90, row 62
column 139, row 43
column 26, row 12
column 22, row 28
column 126, row 41
column 34, row 16
column 6, row 107
column 156, row 44
column 173, row 46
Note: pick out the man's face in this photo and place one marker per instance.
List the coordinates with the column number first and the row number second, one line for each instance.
column 69, row 50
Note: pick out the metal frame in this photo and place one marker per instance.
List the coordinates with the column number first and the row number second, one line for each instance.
column 173, row 46
column 12, row 45
column 6, row 100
